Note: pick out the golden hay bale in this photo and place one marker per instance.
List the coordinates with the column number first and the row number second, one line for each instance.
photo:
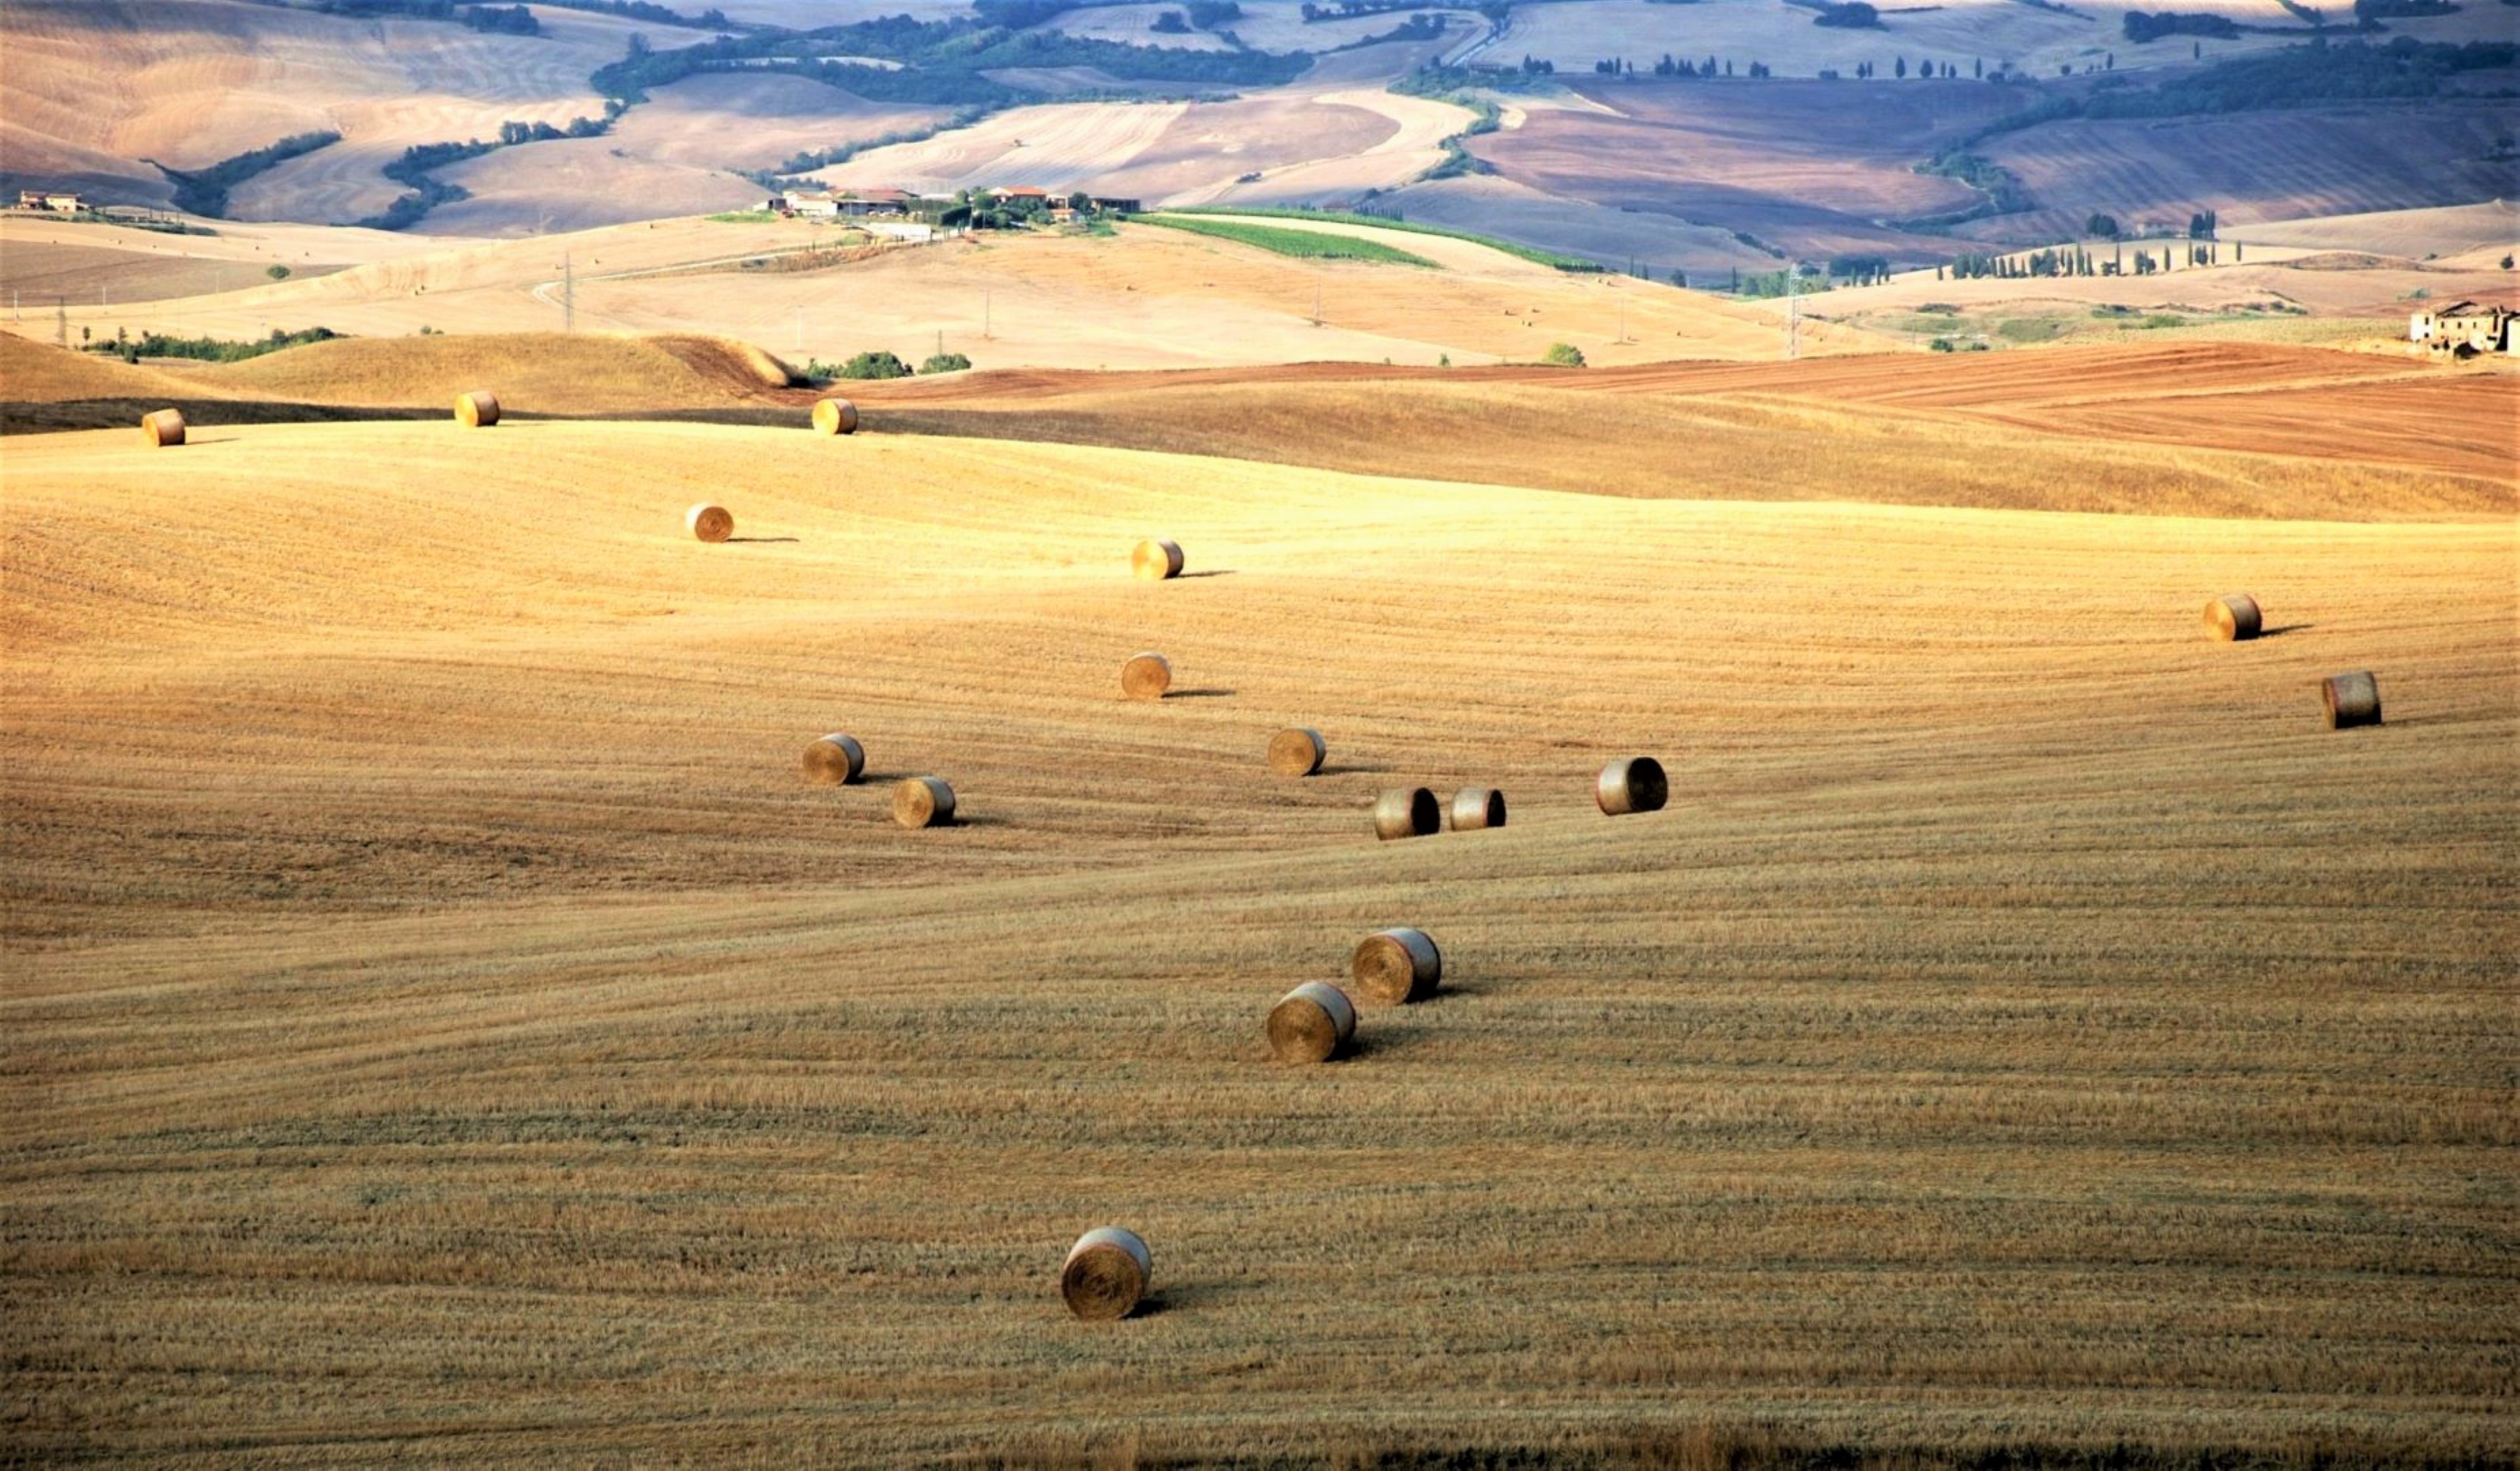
column 1407, row 813
column 1476, row 808
column 1396, row 966
column 2233, row 617
column 1633, row 784
column 1297, row 751
column 2351, row 700
column 835, row 416
column 834, row 761
column 922, row 801
column 1106, row 1275
column 1146, row 677
column 1311, row 1022
column 164, row 429
column 709, row 522
column 477, row 409
column 1156, row 560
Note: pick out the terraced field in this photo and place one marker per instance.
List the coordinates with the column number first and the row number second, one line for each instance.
column 439, row 1018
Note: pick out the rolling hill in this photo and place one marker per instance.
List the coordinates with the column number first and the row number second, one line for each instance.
column 440, row 1018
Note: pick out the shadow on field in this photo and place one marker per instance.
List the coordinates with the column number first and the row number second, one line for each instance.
column 1199, row 694
column 1213, row 571
column 731, row 541
column 2286, row 629
column 1353, row 769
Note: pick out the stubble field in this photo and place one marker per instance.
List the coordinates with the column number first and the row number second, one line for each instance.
column 441, row 1024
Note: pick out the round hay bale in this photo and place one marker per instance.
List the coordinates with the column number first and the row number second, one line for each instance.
column 835, row 416
column 1395, row 967
column 922, row 801
column 477, row 409
column 1156, row 560
column 1311, row 1022
column 834, row 761
column 1106, row 1275
column 1297, row 751
column 709, row 522
column 2351, row 700
column 1146, row 677
column 2233, row 617
column 162, row 429
column 1476, row 808
column 1633, row 784
column 1407, row 813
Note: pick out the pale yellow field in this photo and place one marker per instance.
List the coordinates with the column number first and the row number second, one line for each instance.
column 439, row 1024
column 1148, row 297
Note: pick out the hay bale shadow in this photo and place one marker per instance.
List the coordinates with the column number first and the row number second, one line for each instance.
column 1198, row 694
column 731, row 541
column 2286, row 629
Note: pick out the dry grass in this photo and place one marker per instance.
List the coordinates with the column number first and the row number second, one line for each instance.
column 2030, row 1029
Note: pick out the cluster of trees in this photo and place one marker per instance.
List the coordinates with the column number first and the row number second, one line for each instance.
column 415, row 170
column 1855, row 15
column 2370, row 13
column 205, row 191
column 942, row 62
column 2076, row 260
column 509, row 20
column 1860, row 270
column 206, row 349
column 712, row 19
column 2141, row 26
column 2312, row 76
column 881, row 364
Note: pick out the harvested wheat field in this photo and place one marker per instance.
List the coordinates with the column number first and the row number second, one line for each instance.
column 441, row 1021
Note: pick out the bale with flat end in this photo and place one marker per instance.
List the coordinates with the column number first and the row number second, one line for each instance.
column 835, row 416
column 1156, row 560
column 477, row 409
column 2351, row 700
column 922, row 801
column 2234, row 615
column 1146, row 677
column 1311, row 1022
column 164, row 429
column 1297, row 751
column 1633, row 784
column 1395, row 967
column 834, row 761
column 709, row 522
column 1476, row 808
column 1407, row 813
column 1106, row 1275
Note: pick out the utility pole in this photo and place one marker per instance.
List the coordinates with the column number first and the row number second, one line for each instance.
column 984, row 318
column 1793, row 310
column 1316, row 303
column 568, row 292
column 61, row 321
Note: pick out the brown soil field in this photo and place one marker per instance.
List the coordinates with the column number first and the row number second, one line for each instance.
column 440, row 1022
column 37, row 274
column 2253, row 168
column 1806, row 166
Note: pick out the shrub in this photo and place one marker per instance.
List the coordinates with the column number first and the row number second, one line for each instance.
column 874, row 365
column 945, row 362
column 1563, row 356
column 277, row 272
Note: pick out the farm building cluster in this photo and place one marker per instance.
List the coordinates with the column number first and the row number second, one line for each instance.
column 2466, row 329
column 882, row 203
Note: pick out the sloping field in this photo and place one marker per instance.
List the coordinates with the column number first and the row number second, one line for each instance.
column 1499, row 207
column 724, row 120
column 100, row 86
column 2255, row 168
column 42, row 274
column 2451, row 229
column 1807, row 166
column 440, row 1019
column 2036, row 40
column 33, row 372
column 539, row 374
column 1148, row 297
column 2273, row 433
column 1055, row 146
